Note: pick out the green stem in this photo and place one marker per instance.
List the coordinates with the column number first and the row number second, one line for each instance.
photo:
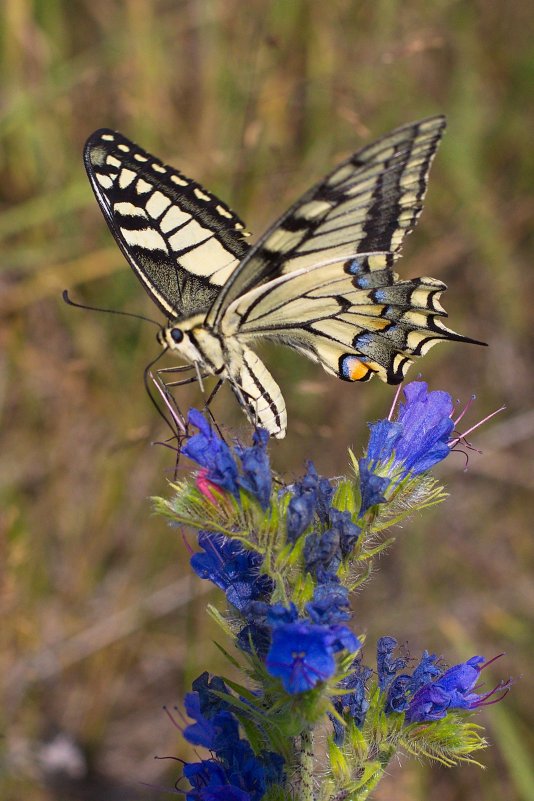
column 302, row 779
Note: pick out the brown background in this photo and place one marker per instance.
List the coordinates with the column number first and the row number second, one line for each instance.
column 100, row 623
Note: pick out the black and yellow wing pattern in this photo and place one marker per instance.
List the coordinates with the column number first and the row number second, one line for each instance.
column 320, row 280
column 333, row 293
column 366, row 205
column 181, row 241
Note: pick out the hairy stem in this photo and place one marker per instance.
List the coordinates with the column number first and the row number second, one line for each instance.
column 302, row 779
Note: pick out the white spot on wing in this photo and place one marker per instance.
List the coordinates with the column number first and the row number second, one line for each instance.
column 282, row 240
column 341, row 174
column 192, row 234
column 205, row 257
column 173, row 218
column 125, row 178
column 223, row 212
column 104, row 180
column 124, row 148
column 143, row 186
column 108, row 137
column 157, row 204
column 158, row 168
column 312, row 209
column 179, row 181
column 113, row 162
column 148, row 239
column 140, row 157
column 129, row 210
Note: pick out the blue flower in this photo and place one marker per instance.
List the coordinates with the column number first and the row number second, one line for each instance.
column 372, row 487
column 453, row 690
column 235, row 768
column 418, row 440
column 215, row 733
column 207, row 689
column 330, row 603
column 397, row 700
column 302, row 654
column 426, row 428
column 208, row 782
column 352, row 705
column 233, row 568
column 311, row 495
column 254, row 638
column 256, row 477
column 348, row 532
column 212, row 453
column 427, row 670
column 403, row 686
column 387, row 666
column 322, row 552
column 280, row 615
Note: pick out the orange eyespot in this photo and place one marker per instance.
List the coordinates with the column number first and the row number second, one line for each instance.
column 354, row 369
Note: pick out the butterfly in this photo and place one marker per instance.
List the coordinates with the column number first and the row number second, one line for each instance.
column 320, row 280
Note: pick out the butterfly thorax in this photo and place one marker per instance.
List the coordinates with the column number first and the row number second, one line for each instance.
column 194, row 341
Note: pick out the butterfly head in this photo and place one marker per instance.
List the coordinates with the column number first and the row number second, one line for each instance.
column 193, row 341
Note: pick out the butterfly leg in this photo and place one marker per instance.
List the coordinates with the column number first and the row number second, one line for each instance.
column 194, row 379
column 211, row 396
column 191, row 380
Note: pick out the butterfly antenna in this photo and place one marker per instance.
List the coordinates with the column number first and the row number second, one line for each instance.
column 69, row 302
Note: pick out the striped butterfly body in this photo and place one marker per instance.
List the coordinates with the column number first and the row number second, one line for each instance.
column 320, row 280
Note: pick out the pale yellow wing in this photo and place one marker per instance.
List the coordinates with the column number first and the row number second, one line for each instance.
column 354, row 332
column 367, row 204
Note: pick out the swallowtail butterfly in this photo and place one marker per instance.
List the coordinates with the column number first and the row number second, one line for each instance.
column 320, row 280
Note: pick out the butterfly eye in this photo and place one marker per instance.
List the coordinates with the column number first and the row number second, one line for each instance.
column 177, row 335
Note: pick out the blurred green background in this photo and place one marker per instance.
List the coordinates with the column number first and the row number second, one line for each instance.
column 101, row 623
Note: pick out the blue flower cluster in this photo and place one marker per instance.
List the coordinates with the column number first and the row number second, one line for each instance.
column 235, row 772
column 426, row 694
column 219, row 464
column 298, row 649
column 304, row 645
column 415, row 442
column 232, row 568
column 302, row 652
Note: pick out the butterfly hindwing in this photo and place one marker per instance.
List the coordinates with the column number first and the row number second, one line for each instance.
column 366, row 204
column 353, row 331
column 181, row 241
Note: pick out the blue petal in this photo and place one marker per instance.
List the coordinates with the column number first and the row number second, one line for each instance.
column 372, row 487
column 257, row 478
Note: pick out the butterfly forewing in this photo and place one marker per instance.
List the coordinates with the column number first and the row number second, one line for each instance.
column 182, row 242
column 366, row 204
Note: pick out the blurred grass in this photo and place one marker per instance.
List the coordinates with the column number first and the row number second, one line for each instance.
column 254, row 100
